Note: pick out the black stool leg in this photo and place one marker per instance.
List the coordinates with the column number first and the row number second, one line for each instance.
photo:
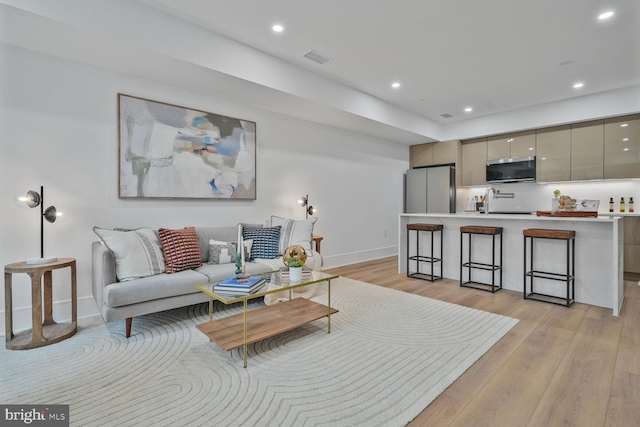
column 461, row 259
column 573, row 270
column 469, row 260
column 524, row 268
column 408, row 255
column 493, row 263
column 501, row 261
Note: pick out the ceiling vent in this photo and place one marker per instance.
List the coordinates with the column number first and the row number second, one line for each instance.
column 317, row 57
column 446, row 115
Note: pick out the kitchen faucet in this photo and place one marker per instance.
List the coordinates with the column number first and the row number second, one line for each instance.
column 486, row 198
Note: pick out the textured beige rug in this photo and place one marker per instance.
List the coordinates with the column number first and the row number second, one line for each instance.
column 388, row 356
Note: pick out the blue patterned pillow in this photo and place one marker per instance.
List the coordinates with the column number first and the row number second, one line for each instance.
column 265, row 241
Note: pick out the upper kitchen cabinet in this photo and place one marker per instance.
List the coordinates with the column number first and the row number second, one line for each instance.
column 622, row 147
column 587, row 150
column 474, row 162
column 553, row 158
column 446, row 152
column 517, row 144
column 498, row 147
column 421, row 155
column 437, row 153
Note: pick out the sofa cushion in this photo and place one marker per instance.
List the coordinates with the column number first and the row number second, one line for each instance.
column 294, row 232
column 137, row 253
column 180, row 248
column 153, row 288
column 265, row 241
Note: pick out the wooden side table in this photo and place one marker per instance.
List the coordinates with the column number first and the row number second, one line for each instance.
column 42, row 332
column 317, row 238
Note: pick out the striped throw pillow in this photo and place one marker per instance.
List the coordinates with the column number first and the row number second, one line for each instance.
column 137, row 253
column 294, row 232
column 265, row 241
column 180, row 248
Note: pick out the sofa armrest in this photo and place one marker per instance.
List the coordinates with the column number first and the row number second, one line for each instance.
column 103, row 271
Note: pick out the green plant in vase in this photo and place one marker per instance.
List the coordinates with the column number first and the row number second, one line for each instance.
column 294, row 262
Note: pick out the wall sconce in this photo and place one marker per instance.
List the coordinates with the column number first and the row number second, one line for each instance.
column 34, row 199
column 304, row 202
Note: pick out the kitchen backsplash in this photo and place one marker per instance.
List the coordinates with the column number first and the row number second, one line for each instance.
column 537, row 197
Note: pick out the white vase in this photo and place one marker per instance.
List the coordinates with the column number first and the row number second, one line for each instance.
column 295, row 274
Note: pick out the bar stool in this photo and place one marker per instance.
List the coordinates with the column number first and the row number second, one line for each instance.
column 418, row 258
column 470, row 230
column 568, row 277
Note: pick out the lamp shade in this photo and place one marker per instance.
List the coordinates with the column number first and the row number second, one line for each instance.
column 51, row 214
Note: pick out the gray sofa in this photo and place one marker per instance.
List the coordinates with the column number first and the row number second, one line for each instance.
column 125, row 300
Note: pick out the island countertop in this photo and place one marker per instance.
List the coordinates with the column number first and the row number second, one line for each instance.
column 599, row 250
column 607, row 217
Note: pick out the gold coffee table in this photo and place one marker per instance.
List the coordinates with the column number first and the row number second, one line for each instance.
column 240, row 330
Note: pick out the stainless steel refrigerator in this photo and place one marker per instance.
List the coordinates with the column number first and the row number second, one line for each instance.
column 430, row 190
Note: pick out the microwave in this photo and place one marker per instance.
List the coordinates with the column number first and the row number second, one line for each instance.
column 516, row 169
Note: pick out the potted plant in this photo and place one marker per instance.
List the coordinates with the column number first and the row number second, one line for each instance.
column 295, row 265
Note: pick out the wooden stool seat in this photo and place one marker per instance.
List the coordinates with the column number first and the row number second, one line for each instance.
column 432, row 260
column 479, row 229
column 549, row 234
column 530, row 272
column 425, row 227
column 494, row 268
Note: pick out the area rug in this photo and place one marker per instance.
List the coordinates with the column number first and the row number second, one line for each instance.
column 389, row 354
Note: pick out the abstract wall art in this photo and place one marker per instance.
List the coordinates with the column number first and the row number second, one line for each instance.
column 167, row 151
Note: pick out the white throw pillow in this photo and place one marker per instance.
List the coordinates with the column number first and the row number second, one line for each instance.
column 294, row 232
column 137, row 252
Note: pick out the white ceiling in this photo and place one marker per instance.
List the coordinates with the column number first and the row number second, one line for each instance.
column 492, row 55
column 513, row 61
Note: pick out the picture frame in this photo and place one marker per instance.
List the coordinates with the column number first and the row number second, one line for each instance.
column 167, row 151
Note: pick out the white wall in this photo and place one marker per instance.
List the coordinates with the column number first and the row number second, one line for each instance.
column 58, row 123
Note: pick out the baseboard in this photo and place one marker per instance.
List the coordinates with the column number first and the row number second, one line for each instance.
column 61, row 313
column 356, row 257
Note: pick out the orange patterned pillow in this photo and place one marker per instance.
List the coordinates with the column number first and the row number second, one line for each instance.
column 180, row 248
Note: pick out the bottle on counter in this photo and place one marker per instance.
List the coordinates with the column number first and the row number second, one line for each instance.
column 631, row 204
column 611, row 204
column 621, row 204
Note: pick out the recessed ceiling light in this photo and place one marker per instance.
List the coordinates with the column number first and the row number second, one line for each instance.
column 468, row 110
column 605, row 15
column 395, row 85
column 578, row 85
column 624, row 125
column 277, row 28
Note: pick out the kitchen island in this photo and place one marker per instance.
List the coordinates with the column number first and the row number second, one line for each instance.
column 599, row 252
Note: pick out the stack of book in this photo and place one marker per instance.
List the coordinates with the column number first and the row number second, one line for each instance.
column 284, row 273
column 239, row 287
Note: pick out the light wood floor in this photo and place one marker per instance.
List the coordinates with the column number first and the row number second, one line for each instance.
column 558, row 366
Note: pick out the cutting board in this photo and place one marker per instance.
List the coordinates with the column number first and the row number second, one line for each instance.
column 568, row 214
